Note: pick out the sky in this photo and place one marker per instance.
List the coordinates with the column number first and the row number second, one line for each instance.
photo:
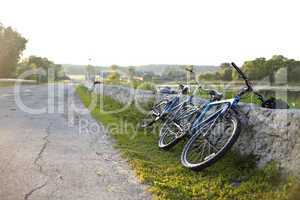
column 137, row 32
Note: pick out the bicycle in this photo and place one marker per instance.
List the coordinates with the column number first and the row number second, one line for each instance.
column 164, row 107
column 174, row 128
column 214, row 130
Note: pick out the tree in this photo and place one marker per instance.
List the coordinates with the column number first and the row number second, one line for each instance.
column 90, row 72
column 225, row 72
column 281, row 76
column 149, row 76
column 293, row 71
column 255, row 69
column 207, row 76
column 113, row 76
column 131, row 73
column 114, row 67
column 174, row 74
column 12, row 45
column 35, row 62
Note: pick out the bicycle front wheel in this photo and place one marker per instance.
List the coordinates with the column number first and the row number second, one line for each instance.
column 211, row 143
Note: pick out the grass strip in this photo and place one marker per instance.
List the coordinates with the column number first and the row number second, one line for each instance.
column 233, row 177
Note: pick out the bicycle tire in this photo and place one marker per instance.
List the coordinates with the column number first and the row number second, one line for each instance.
column 166, row 146
column 218, row 155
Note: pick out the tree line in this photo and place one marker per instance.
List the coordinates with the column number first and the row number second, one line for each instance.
column 260, row 68
column 51, row 71
column 12, row 45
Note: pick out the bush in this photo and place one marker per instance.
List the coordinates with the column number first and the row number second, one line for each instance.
column 146, row 86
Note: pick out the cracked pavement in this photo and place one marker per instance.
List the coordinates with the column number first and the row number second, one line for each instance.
column 49, row 156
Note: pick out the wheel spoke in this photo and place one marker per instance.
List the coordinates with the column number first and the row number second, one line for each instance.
column 211, row 145
column 211, row 139
column 203, row 149
column 196, row 152
column 171, row 132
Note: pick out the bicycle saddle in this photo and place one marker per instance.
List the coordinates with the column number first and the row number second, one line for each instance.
column 215, row 95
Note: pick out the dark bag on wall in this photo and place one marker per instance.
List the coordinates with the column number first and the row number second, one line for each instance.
column 275, row 104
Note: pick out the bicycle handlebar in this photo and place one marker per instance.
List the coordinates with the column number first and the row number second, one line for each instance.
column 213, row 93
column 239, row 70
column 241, row 73
column 248, row 84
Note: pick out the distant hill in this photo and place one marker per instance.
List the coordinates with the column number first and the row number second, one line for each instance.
column 160, row 69
column 155, row 69
column 79, row 69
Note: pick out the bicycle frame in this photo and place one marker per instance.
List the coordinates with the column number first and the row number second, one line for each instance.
column 174, row 104
column 200, row 120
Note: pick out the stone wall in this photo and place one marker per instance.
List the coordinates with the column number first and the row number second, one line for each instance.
column 124, row 94
column 271, row 135
column 267, row 134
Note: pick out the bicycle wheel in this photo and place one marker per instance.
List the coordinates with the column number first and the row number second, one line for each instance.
column 170, row 135
column 151, row 117
column 211, row 143
column 176, row 127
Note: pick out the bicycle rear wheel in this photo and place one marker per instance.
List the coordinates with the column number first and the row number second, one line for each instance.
column 176, row 128
column 211, row 143
column 151, row 117
column 170, row 135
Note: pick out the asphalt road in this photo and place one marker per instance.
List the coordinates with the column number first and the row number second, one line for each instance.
column 52, row 155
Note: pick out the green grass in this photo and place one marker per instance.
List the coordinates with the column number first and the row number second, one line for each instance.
column 167, row 179
column 6, row 84
column 12, row 84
